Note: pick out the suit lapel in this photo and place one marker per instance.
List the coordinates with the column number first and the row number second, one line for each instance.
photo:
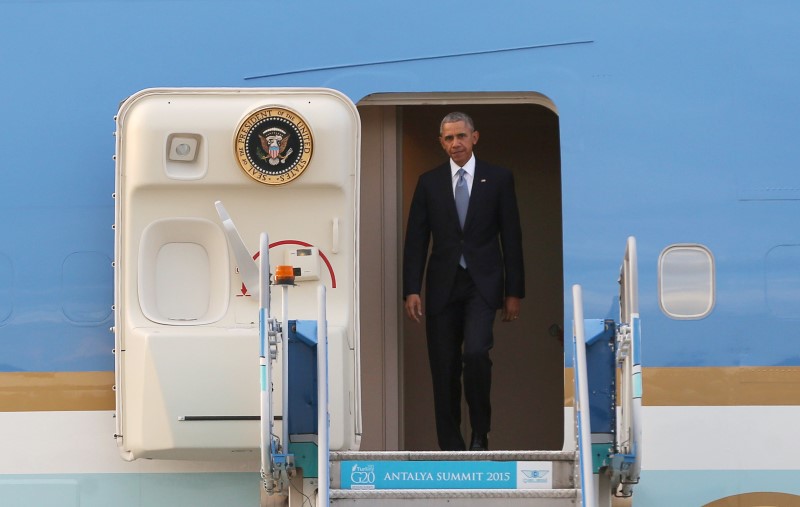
column 449, row 203
column 476, row 194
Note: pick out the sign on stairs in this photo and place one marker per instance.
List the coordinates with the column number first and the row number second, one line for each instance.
column 453, row 479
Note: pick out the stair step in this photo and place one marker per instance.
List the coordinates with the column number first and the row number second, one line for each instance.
column 455, row 498
column 454, row 493
column 452, row 456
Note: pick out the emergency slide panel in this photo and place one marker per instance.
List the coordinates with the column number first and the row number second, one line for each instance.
column 281, row 161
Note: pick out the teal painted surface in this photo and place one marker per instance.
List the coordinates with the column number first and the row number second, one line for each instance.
column 637, row 385
column 305, row 457
column 130, row 490
column 695, row 488
column 600, row 454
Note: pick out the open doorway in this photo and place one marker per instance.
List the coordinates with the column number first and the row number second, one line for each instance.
column 399, row 143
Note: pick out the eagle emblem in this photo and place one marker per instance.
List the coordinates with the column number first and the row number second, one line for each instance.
column 274, row 144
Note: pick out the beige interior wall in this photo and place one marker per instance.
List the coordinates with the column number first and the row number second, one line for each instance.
column 378, row 272
column 398, row 144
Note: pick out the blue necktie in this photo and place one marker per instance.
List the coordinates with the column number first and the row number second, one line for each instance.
column 462, row 202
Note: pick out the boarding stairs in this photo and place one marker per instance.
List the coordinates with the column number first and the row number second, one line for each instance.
column 550, row 474
column 606, row 462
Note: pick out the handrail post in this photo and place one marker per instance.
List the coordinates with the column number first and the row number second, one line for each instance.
column 588, row 494
column 285, row 369
column 629, row 360
column 323, row 419
column 265, row 364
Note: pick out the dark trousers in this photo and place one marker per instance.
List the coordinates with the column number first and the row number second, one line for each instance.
column 466, row 322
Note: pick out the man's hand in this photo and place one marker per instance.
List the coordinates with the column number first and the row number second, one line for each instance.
column 413, row 306
column 511, row 308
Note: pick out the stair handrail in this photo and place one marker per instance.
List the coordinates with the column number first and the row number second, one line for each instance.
column 581, row 401
column 323, row 416
column 629, row 361
column 629, row 282
column 265, row 363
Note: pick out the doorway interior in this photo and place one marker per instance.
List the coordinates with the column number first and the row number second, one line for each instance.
column 399, row 142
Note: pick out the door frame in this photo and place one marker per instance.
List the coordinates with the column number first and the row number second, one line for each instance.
column 382, row 320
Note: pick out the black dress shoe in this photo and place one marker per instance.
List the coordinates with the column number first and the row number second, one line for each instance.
column 479, row 442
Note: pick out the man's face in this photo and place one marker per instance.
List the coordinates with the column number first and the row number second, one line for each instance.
column 457, row 140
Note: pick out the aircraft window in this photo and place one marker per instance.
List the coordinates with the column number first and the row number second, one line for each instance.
column 686, row 281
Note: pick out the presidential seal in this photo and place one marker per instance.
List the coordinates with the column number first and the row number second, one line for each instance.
column 273, row 145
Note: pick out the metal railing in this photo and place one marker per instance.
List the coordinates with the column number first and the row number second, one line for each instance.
column 588, row 494
column 269, row 330
column 629, row 361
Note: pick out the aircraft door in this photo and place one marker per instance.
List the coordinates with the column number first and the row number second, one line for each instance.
column 281, row 161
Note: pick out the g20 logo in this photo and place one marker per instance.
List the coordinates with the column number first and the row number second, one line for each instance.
column 362, row 474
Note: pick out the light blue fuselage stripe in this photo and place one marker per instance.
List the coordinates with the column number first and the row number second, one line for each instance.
column 656, row 488
column 231, row 489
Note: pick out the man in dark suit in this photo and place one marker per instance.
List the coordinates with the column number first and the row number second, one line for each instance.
column 469, row 209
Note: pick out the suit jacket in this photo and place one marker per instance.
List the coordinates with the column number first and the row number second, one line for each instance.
column 491, row 241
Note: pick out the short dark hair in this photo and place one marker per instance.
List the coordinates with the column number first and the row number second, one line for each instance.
column 456, row 116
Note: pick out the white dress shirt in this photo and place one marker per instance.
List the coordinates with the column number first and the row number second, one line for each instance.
column 469, row 168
